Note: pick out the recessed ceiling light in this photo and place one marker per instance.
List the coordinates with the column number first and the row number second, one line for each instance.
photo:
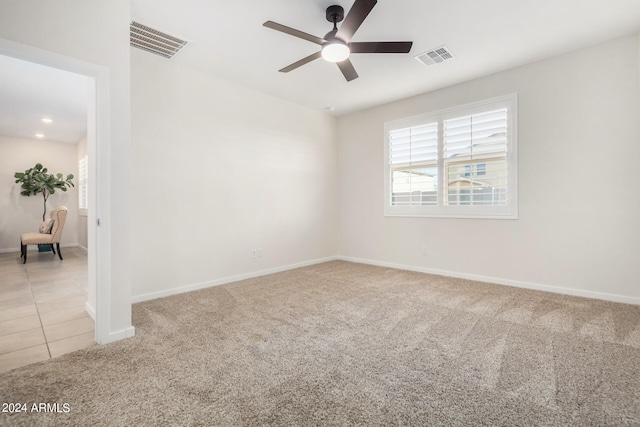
column 46, row 120
column 39, row 135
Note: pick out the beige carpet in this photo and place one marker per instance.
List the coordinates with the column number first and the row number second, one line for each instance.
column 348, row 344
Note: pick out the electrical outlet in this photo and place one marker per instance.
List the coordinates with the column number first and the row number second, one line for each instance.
column 254, row 253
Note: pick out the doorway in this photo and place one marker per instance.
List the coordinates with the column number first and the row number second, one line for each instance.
column 97, row 258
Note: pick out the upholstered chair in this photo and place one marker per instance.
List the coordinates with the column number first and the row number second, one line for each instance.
column 58, row 215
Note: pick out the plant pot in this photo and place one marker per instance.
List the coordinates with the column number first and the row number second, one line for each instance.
column 45, row 248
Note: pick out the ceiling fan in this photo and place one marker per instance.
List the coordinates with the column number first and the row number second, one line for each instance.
column 336, row 44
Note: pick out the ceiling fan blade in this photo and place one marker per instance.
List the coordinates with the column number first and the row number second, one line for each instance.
column 301, row 62
column 294, row 32
column 380, row 47
column 356, row 16
column 347, row 69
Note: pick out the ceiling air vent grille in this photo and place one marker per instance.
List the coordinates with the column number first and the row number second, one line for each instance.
column 154, row 41
column 435, row 56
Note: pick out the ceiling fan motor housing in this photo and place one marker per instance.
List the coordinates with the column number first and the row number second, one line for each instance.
column 335, row 13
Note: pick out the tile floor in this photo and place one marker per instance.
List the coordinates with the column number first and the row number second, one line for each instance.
column 42, row 307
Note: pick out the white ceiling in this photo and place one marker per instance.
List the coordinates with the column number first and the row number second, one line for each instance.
column 227, row 40
column 30, row 92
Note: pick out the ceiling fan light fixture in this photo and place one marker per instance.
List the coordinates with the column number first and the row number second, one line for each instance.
column 335, row 51
column 336, row 46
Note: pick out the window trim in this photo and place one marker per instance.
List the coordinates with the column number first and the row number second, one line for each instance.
column 83, row 186
column 510, row 211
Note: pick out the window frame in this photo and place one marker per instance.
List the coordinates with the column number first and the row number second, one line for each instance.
column 83, row 185
column 509, row 211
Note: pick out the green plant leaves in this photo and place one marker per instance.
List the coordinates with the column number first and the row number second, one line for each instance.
column 36, row 180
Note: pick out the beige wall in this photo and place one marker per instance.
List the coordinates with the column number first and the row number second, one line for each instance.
column 22, row 214
column 220, row 170
column 579, row 146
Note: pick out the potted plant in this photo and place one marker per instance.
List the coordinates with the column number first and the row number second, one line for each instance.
column 36, row 180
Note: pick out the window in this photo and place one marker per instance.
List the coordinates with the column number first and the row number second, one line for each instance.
column 82, row 183
column 460, row 162
column 413, row 158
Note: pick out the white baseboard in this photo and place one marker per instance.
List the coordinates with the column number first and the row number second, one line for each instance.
column 117, row 335
column 498, row 281
column 217, row 282
column 495, row 280
column 35, row 248
column 90, row 310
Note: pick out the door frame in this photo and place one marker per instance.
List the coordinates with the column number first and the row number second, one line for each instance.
column 98, row 151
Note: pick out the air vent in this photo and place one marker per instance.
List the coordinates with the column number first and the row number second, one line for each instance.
column 435, row 56
column 154, row 41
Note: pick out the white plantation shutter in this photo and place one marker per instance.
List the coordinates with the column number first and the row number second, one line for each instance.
column 82, row 183
column 414, row 145
column 476, row 136
column 459, row 162
column 475, row 154
column 413, row 155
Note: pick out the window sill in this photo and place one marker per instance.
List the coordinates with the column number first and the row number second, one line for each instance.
column 452, row 213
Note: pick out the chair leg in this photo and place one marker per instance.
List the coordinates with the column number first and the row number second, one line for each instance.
column 24, row 253
column 59, row 253
column 53, row 249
